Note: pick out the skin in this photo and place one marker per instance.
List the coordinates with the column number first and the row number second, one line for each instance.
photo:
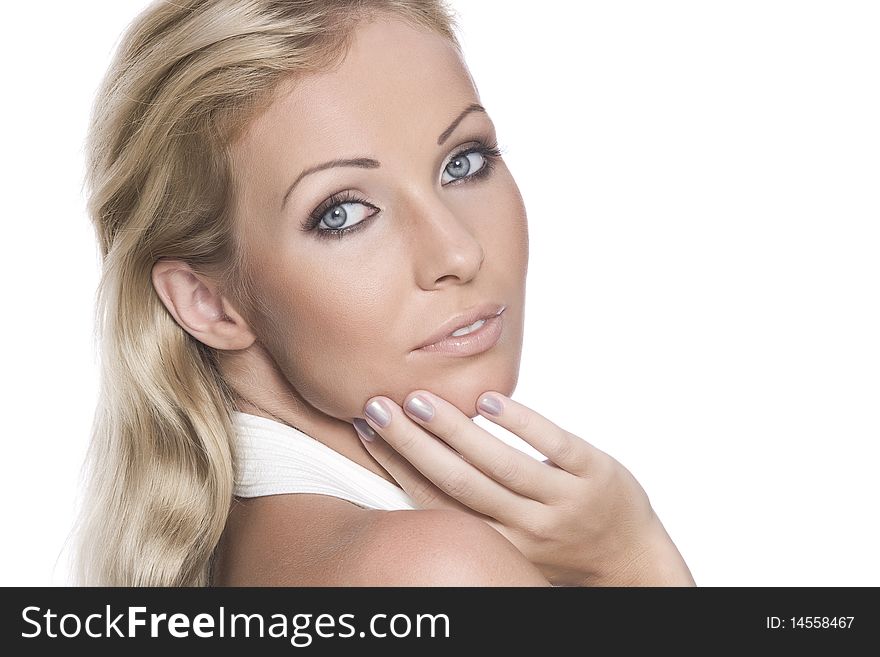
column 344, row 314
column 336, row 329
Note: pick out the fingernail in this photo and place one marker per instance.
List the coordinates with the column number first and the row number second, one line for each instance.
column 421, row 408
column 377, row 412
column 490, row 405
column 364, row 430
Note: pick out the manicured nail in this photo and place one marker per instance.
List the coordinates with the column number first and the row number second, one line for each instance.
column 364, row 430
column 378, row 413
column 490, row 405
column 421, row 408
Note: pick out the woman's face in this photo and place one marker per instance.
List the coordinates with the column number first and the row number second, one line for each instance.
column 429, row 238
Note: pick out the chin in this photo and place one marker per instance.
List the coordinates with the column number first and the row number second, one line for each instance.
column 463, row 390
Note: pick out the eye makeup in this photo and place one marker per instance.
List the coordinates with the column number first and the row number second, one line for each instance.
column 486, row 147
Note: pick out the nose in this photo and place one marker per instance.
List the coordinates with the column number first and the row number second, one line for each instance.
column 445, row 249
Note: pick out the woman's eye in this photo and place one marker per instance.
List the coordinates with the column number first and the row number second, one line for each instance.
column 337, row 216
column 461, row 166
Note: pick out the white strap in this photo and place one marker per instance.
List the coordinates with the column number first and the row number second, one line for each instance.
column 274, row 458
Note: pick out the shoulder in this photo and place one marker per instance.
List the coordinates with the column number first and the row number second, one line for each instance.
column 436, row 547
column 318, row 540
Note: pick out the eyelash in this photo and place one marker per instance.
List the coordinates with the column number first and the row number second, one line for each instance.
column 487, row 148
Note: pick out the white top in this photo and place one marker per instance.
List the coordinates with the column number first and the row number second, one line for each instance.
column 275, row 458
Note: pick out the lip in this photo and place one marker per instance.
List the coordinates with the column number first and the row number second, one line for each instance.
column 474, row 342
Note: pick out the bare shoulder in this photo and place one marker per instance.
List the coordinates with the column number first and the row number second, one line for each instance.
column 319, row 540
column 284, row 540
column 435, row 547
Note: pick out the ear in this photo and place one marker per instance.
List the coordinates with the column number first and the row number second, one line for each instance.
column 196, row 305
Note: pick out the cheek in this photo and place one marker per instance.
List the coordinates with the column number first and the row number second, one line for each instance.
column 329, row 330
column 506, row 238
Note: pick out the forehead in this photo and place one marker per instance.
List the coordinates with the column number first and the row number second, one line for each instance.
column 397, row 83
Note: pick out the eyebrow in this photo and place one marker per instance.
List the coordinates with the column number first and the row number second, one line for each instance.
column 370, row 163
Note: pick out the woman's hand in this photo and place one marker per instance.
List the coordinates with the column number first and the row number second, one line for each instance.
column 580, row 516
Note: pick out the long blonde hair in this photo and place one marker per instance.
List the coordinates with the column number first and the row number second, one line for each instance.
column 186, row 78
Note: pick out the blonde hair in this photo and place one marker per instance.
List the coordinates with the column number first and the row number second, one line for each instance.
column 186, row 78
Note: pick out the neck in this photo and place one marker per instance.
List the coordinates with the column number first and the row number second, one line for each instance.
column 262, row 390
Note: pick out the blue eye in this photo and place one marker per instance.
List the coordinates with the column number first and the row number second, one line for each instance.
column 460, row 165
column 336, row 210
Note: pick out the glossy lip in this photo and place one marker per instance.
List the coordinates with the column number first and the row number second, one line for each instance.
column 476, row 342
column 482, row 311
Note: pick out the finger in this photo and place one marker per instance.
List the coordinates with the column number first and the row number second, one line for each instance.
column 443, row 466
column 568, row 451
column 422, row 491
column 502, row 462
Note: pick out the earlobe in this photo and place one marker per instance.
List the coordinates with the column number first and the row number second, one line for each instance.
column 198, row 308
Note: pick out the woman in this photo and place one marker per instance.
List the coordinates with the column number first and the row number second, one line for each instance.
column 233, row 145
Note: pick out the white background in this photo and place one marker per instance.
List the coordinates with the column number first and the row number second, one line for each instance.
column 703, row 188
